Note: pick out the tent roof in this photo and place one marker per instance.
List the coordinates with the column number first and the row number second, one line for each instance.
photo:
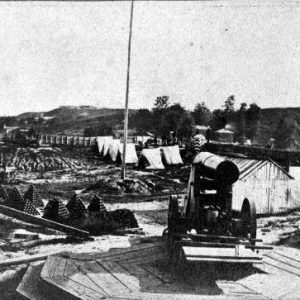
column 172, row 155
column 131, row 156
column 153, row 156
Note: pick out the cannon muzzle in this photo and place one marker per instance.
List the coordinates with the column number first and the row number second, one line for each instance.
column 217, row 168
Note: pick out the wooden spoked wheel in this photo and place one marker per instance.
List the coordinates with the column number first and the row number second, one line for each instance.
column 173, row 222
column 249, row 222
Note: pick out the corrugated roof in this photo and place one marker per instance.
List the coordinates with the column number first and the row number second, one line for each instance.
column 247, row 165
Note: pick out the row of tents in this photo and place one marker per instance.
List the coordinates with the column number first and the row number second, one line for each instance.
column 75, row 140
column 155, row 158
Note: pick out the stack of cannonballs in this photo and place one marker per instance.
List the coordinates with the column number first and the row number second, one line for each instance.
column 30, row 203
column 95, row 218
column 56, row 211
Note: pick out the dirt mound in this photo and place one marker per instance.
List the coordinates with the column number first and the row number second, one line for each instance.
column 124, row 217
column 42, row 159
column 110, row 185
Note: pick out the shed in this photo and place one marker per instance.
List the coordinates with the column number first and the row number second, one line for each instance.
column 264, row 182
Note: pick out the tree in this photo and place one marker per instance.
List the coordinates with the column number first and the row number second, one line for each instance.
column 241, row 120
column 201, row 114
column 218, row 120
column 243, row 107
column 223, row 116
column 178, row 120
column 284, row 132
column 252, row 117
column 142, row 120
column 173, row 115
column 185, row 126
column 159, row 116
column 229, row 105
column 103, row 129
column 161, row 103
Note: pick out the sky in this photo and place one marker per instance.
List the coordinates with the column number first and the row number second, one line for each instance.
column 75, row 53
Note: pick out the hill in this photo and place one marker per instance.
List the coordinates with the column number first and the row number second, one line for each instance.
column 68, row 119
column 283, row 124
column 74, row 119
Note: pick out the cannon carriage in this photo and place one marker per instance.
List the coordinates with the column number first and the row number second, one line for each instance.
column 207, row 229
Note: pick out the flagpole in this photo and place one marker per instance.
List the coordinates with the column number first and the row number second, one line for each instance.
column 127, row 93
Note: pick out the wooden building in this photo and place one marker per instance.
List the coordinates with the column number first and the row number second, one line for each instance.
column 264, row 182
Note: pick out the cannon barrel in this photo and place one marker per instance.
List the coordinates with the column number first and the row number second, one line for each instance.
column 217, row 168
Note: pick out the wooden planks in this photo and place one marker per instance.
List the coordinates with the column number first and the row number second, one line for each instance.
column 28, row 286
column 282, row 263
column 54, row 267
column 216, row 254
column 42, row 222
column 142, row 272
column 105, row 279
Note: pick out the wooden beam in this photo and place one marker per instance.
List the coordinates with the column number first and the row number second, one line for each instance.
column 24, row 260
column 43, row 222
column 215, row 237
column 189, row 243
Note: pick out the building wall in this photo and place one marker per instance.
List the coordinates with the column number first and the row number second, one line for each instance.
column 268, row 187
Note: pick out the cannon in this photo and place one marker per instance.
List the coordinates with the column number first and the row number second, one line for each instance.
column 207, row 229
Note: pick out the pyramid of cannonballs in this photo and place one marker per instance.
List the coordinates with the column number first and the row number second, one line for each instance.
column 3, row 195
column 29, row 208
column 76, row 207
column 15, row 199
column 55, row 210
column 97, row 206
column 33, row 195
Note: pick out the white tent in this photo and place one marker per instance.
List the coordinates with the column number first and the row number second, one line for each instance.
column 114, row 149
column 151, row 158
column 171, row 155
column 101, row 141
column 131, row 156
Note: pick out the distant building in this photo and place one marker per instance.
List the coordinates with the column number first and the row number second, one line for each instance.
column 224, row 136
column 200, row 129
column 9, row 129
column 131, row 135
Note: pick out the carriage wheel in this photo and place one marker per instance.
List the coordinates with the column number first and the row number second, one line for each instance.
column 173, row 220
column 249, row 222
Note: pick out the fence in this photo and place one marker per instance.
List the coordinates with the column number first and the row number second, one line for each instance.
column 80, row 141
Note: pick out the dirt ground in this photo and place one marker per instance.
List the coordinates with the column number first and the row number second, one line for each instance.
column 151, row 214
